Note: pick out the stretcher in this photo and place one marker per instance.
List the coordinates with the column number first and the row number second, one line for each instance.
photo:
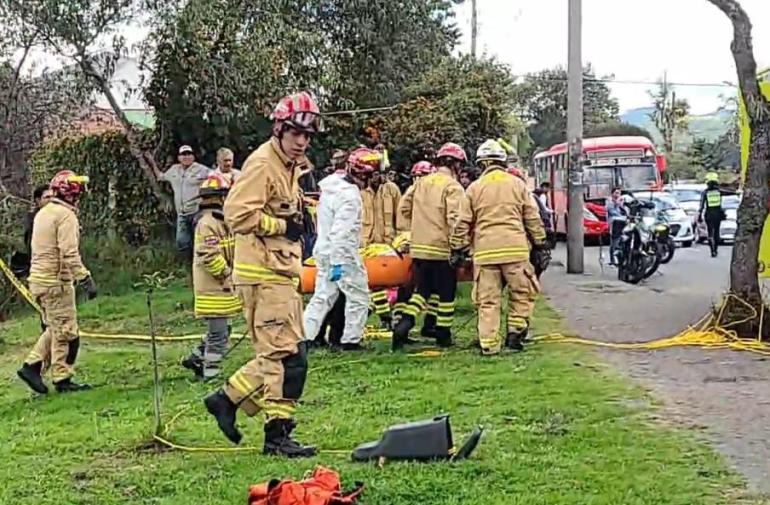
column 385, row 268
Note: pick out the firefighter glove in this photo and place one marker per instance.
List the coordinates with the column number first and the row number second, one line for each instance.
column 458, row 257
column 336, row 273
column 294, row 230
column 540, row 257
column 90, row 287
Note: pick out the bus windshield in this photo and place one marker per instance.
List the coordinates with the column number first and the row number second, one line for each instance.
column 634, row 177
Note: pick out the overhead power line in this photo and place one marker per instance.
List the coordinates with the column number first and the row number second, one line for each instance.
column 607, row 80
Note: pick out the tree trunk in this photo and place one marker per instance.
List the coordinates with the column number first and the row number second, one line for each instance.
column 144, row 159
column 753, row 211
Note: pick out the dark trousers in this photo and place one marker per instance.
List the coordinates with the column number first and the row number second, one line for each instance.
column 713, row 222
column 616, row 231
column 434, row 278
column 334, row 322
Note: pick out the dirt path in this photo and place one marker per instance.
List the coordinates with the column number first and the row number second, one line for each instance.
column 726, row 394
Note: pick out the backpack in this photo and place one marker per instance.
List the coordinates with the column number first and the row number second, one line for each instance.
column 323, row 488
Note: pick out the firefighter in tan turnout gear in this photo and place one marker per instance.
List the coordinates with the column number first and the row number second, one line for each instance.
column 263, row 210
column 56, row 266
column 215, row 299
column 384, row 197
column 433, row 209
column 504, row 219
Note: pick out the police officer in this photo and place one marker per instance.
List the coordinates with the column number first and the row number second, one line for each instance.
column 263, row 211
column 56, row 265
column 711, row 210
column 505, row 220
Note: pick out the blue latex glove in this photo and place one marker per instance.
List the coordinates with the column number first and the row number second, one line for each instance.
column 336, row 273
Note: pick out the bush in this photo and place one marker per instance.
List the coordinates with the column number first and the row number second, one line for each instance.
column 119, row 203
column 123, row 232
column 12, row 214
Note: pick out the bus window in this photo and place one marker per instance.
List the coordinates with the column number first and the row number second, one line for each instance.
column 560, row 178
column 598, row 182
column 541, row 171
column 637, row 176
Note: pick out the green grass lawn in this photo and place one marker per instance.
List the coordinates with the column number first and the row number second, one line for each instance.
column 560, row 427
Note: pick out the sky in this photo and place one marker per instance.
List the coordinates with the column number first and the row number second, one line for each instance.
column 634, row 40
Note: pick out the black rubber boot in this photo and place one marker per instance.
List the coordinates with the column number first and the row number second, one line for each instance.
column 352, row 347
column 444, row 337
column 428, row 329
column 30, row 374
column 194, row 364
column 67, row 386
column 515, row 340
column 278, row 441
column 401, row 332
column 220, row 406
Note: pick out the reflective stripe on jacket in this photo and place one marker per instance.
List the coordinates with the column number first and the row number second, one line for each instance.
column 433, row 209
column 55, row 242
column 256, row 210
column 212, row 264
column 504, row 218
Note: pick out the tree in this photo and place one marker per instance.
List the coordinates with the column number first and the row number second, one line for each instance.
column 30, row 105
column 670, row 115
column 720, row 154
column 753, row 211
column 350, row 53
column 463, row 100
column 87, row 33
column 617, row 128
column 541, row 100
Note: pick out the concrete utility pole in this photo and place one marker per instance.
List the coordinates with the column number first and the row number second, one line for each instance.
column 575, row 139
column 474, row 27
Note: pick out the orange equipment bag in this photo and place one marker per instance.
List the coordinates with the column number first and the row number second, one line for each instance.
column 323, row 488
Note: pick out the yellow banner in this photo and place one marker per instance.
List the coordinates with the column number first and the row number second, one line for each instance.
column 764, row 244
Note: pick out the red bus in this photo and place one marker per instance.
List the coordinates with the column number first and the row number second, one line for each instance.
column 627, row 162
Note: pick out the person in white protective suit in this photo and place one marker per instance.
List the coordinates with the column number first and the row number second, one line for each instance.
column 339, row 265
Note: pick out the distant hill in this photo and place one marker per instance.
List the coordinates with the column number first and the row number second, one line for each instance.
column 708, row 126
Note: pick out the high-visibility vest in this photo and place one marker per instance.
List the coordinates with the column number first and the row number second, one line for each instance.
column 713, row 198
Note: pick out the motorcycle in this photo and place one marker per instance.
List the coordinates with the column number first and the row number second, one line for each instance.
column 661, row 234
column 639, row 252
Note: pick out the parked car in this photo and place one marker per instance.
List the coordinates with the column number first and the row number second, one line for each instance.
column 594, row 224
column 666, row 204
column 688, row 196
column 729, row 224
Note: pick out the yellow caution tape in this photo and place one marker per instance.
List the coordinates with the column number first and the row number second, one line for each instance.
column 708, row 333
column 21, row 288
column 24, row 292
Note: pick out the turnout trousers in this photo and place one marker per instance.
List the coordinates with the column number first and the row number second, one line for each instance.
column 58, row 345
column 274, row 380
column 434, row 293
column 523, row 287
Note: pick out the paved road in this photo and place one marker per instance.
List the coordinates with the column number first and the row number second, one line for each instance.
column 726, row 394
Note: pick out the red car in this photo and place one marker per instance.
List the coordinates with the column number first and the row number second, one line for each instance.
column 595, row 221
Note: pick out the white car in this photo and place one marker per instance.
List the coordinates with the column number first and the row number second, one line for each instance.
column 688, row 196
column 681, row 225
column 729, row 224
